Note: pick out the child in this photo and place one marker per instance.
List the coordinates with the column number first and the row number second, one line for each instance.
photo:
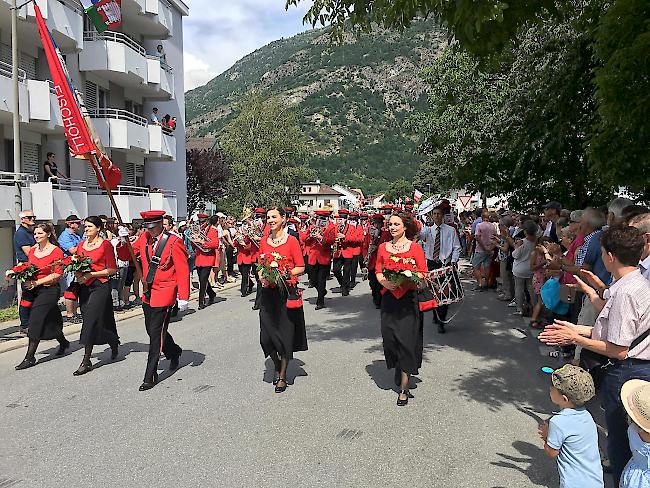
column 635, row 396
column 571, row 435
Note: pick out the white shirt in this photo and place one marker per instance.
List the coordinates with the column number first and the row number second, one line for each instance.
column 449, row 243
column 644, row 266
column 153, row 118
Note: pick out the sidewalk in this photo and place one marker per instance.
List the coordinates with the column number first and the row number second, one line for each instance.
column 10, row 338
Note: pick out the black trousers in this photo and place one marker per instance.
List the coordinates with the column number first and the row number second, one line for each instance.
column 258, row 290
column 375, row 287
column 204, row 284
column 440, row 313
column 246, row 282
column 341, row 269
column 309, row 270
column 230, row 259
column 354, row 267
column 320, row 272
column 156, row 320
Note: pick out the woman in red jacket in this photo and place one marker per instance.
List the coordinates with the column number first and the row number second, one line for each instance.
column 95, row 294
column 246, row 255
column 45, row 321
column 282, row 329
column 401, row 321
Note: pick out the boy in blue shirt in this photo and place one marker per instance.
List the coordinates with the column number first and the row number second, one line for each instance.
column 570, row 436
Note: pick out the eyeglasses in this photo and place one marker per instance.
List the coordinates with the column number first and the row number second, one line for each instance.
column 30, row 217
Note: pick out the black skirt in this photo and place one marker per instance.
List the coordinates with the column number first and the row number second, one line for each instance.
column 45, row 320
column 402, row 332
column 282, row 329
column 97, row 311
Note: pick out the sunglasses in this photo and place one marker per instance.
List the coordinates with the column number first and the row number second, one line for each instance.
column 30, row 217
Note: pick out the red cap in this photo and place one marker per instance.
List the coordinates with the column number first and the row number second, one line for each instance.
column 152, row 218
column 294, row 220
column 323, row 213
column 344, row 211
column 354, row 214
column 260, row 210
column 289, row 209
column 377, row 217
column 409, row 207
column 201, row 215
column 364, row 216
column 303, row 217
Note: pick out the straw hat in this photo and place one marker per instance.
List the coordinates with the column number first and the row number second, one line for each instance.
column 635, row 396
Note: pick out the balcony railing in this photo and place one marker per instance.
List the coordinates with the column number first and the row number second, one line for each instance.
column 115, row 113
column 8, row 178
column 5, row 70
column 137, row 191
column 69, row 185
column 115, row 37
column 52, row 88
column 163, row 64
column 73, row 5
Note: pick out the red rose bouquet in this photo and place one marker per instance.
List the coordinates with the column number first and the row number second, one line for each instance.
column 403, row 272
column 276, row 269
column 22, row 272
column 76, row 264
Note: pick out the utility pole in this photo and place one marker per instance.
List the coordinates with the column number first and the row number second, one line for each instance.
column 18, row 201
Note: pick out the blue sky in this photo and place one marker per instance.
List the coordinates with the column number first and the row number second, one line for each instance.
column 216, row 36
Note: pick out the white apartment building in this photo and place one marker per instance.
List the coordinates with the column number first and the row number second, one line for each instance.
column 318, row 196
column 121, row 79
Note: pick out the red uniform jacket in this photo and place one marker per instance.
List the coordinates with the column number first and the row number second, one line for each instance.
column 172, row 278
column 304, row 234
column 361, row 236
column 246, row 253
column 351, row 245
column 321, row 252
column 208, row 259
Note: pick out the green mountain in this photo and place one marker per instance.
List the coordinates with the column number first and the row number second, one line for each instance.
column 353, row 98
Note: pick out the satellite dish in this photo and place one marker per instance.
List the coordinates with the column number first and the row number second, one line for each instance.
column 426, row 206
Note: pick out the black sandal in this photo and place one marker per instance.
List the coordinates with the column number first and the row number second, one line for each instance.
column 280, row 389
column 400, row 402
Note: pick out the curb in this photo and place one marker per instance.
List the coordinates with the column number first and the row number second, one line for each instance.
column 76, row 328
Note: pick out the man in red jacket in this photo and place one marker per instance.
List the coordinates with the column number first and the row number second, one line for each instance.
column 320, row 252
column 167, row 276
column 356, row 246
column 347, row 242
column 206, row 259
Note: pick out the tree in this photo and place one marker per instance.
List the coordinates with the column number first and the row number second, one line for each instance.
column 399, row 189
column 266, row 149
column 207, row 176
column 482, row 27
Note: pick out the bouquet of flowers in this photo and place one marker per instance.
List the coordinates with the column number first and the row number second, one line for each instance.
column 76, row 264
column 403, row 272
column 276, row 269
column 22, row 272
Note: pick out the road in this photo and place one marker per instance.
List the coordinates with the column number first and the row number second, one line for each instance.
column 217, row 422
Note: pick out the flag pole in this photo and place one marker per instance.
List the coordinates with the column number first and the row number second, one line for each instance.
column 95, row 162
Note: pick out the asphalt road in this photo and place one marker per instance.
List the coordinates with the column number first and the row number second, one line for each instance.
column 217, row 422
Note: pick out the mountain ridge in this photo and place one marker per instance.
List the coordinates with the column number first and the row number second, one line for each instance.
column 353, row 98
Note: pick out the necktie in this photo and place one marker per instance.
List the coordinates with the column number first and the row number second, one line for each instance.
column 436, row 245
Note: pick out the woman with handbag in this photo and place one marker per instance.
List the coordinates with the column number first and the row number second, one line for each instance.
column 282, row 319
column 95, row 294
column 620, row 336
column 401, row 320
column 45, row 321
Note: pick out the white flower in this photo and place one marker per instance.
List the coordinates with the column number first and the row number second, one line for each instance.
column 274, row 264
column 9, row 272
column 407, row 273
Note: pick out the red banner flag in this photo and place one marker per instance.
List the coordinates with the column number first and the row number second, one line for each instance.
column 77, row 125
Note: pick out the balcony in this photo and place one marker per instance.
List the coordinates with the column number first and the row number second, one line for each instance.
column 7, row 95
column 8, row 193
column 164, row 200
column 116, row 57
column 44, row 109
column 150, row 18
column 55, row 200
column 64, row 18
column 162, row 143
column 160, row 79
column 119, row 129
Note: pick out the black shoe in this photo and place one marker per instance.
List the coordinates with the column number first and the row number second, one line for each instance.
column 62, row 347
column 149, row 385
column 83, row 369
column 26, row 363
column 201, row 306
column 400, row 402
column 377, row 306
column 114, row 350
column 255, row 307
column 441, row 329
column 353, row 284
column 173, row 362
column 280, row 389
column 345, row 293
column 319, row 306
column 211, row 299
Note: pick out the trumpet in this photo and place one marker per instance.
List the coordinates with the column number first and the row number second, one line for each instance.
column 340, row 229
column 196, row 234
column 254, row 233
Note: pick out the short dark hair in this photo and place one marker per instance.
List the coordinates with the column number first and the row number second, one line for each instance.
column 50, row 154
column 625, row 243
column 169, row 218
column 96, row 221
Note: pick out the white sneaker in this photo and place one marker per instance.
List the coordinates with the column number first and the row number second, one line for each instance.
column 512, row 304
column 518, row 313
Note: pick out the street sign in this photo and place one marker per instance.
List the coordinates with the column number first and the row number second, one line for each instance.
column 464, row 200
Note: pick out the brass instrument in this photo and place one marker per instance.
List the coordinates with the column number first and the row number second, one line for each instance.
column 316, row 232
column 254, row 233
column 196, row 234
column 337, row 242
